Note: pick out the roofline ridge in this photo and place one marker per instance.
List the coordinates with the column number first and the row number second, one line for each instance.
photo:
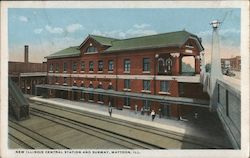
column 103, row 36
column 155, row 35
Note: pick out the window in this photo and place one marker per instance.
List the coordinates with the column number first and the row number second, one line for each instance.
column 169, row 64
column 127, row 84
column 82, row 84
column 100, row 65
column 110, row 86
column 127, row 65
column 65, row 80
column 91, row 49
column 65, row 67
column 91, row 96
column 56, row 80
column 100, row 97
column 99, row 85
column 91, row 66
column 74, row 83
column 146, row 64
column 82, row 66
column 74, row 66
column 146, row 105
column 57, row 67
column 164, row 86
column 91, row 85
column 51, row 67
column 126, row 102
column 146, row 85
column 111, row 65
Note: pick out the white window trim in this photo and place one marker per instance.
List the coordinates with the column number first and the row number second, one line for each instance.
column 99, row 72
column 110, row 72
column 65, row 84
column 57, row 83
column 126, row 89
column 50, row 70
column 91, row 53
column 187, row 46
column 163, row 92
column 126, row 72
column 146, row 72
column 146, row 91
column 74, row 71
column 82, row 71
column 126, row 107
column 92, row 101
column 64, row 71
column 91, row 71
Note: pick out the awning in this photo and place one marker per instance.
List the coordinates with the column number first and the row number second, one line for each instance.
column 150, row 97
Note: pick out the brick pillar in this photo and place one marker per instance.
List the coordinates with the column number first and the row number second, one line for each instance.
column 175, row 64
column 197, row 65
column 174, row 91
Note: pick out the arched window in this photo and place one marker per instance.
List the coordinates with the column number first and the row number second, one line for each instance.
column 160, row 65
column 168, row 64
column 91, row 49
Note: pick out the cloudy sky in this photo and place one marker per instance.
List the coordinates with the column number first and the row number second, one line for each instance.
column 49, row 30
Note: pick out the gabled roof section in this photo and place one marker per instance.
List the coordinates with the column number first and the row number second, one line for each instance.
column 68, row 52
column 175, row 39
column 105, row 41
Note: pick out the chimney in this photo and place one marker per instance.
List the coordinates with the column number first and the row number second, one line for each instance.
column 26, row 54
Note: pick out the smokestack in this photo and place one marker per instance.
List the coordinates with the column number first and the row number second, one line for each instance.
column 26, row 53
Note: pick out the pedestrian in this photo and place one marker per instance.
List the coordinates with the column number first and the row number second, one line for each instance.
column 136, row 109
column 160, row 113
column 110, row 110
column 153, row 115
column 142, row 111
column 196, row 115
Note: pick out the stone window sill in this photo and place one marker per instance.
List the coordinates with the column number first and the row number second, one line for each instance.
column 82, row 71
column 91, row 71
column 126, row 89
column 50, row 71
column 146, row 72
column 126, row 107
column 126, row 72
column 74, row 71
column 100, row 102
column 110, row 72
column 145, row 91
column 65, row 84
column 100, row 72
column 64, row 71
column 164, row 93
column 92, row 101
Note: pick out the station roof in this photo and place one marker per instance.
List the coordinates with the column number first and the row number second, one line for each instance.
column 175, row 39
column 171, row 39
column 67, row 52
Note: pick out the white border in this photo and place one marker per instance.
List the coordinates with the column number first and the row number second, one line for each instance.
column 244, row 152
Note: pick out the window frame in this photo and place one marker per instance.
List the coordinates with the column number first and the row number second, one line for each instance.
column 164, row 86
column 147, row 88
column 146, row 65
column 127, row 84
column 91, row 66
column 100, row 65
column 65, row 67
column 91, row 49
column 82, row 66
column 127, row 65
column 110, row 65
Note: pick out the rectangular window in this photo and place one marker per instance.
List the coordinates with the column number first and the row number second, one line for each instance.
column 100, row 97
column 65, row 80
column 74, row 66
column 91, row 96
column 100, row 65
column 126, row 101
column 127, row 84
column 111, row 65
column 146, row 64
column 91, row 66
column 57, row 67
column 127, row 65
column 146, row 105
column 51, row 67
column 164, row 86
column 146, row 85
column 65, row 67
column 82, row 66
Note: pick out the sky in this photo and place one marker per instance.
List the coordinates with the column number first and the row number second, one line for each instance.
column 49, row 30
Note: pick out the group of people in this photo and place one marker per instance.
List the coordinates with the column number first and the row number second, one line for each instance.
column 153, row 114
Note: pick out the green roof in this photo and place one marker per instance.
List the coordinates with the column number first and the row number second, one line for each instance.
column 107, row 41
column 172, row 39
column 68, row 52
column 152, row 41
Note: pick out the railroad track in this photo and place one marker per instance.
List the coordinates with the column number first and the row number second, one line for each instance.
column 52, row 113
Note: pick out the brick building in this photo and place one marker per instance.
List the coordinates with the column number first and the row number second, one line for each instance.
column 26, row 75
column 132, row 73
column 232, row 63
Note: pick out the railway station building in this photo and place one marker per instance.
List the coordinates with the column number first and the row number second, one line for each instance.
column 135, row 73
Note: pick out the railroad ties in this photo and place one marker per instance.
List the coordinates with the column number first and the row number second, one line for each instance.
column 54, row 127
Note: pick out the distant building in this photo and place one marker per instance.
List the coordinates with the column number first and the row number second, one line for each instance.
column 134, row 70
column 26, row 75
column 231, row 63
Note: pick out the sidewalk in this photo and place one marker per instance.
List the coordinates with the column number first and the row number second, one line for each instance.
column 206, row 129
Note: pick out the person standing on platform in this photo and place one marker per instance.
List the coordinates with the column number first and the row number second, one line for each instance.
column 160, row 113
column 153, row 115
column 110, row 110
column 136, row 109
